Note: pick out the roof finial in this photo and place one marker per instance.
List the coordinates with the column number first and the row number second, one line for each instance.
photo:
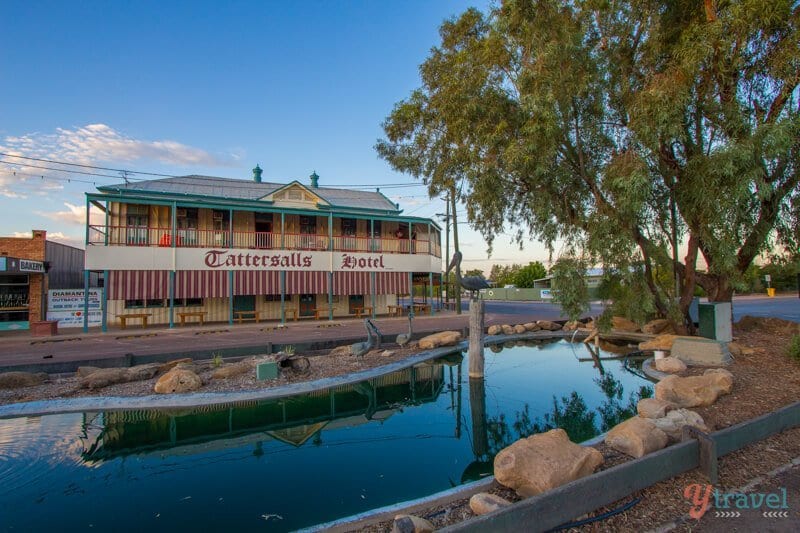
column 257, row 174
column 314, row 180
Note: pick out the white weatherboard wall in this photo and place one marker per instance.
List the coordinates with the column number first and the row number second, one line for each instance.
column 166, row 258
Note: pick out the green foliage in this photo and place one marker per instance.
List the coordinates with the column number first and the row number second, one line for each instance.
column 569, row 286
column 289, row 349
column 794, row 348
column 216, row 360
column 526, row 275
column 474, row 272
column 629, row 294
column 579, row 122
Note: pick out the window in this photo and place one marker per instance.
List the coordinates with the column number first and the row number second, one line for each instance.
column 188, row 302
column 187, row 219
column 349, row 226
column 141, row 304
column 263, row 226
column 376, row 229
column 308, row 231
column 136, row 221
column 273, row 297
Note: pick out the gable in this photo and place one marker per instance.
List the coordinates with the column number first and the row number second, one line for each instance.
column 294, row 195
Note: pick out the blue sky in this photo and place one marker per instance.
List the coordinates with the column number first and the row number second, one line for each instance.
column 210, row 88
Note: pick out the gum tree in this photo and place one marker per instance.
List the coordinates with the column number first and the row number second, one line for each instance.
column 615, row 127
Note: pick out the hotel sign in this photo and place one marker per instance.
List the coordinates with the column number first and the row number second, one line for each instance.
column 240, row 259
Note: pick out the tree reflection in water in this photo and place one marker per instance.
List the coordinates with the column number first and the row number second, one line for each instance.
column 569, row 413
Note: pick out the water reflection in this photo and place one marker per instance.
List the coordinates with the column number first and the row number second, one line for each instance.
column 294, row 420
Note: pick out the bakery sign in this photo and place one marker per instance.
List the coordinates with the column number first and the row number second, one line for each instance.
column 12, row 264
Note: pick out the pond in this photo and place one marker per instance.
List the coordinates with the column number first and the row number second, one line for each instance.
column 284, row 464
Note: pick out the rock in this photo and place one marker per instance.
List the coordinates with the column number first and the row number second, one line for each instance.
column 141, row 372
column 671, row 365
column 84, row 371
column 662, row 342
column 531, row 326
column 620, row 323
column 636, row 437
column 700, row 351
column 694, row 391
column 672, row 424
column 735, row 348
column 507, row 330
column 543, row 461
column 548, row 325
column 178, row 380
column 169, row 365
column 658, row 326
column 233, row 369
column 519, row 329
column 17, row 380
column 484, row 503
column 722, row 378
column 572, row 325
column 443, row 338
column 589, row 324
column 104, row 377
column 654, row 408
column 494, row 330
column 340, row 351
column 387, row 353
column 407, row 523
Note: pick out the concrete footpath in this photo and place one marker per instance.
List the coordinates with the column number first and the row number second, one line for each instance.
column 135, row 345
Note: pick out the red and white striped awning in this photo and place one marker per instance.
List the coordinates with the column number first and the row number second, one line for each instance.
column 256, row 282
column 137, row 284
column 391, row 283
column 345, row 283
column 201, row 284
column 315, row 282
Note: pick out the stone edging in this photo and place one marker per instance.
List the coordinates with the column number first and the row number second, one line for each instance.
column 649, row 369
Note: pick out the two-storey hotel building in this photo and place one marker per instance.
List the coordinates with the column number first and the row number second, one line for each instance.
column 225, row 248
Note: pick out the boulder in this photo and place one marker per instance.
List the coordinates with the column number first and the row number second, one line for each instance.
column 340, row 351
column 17, row 380
column 169, row 365
column 735, row 348
column 657, row 327
column 104, row 377
column 531, row 326
column 672, row 424
column 84, row 371
column 507, row 330
column 141, row 372
column 572, row 325
column 484, row 502
column 694, row 391
column 443, row 338
column 233, row 369
column 544, row 461
column 620, row 323
column 636, row 437
column 654, row 408
column 662, row 342
column 408, row 523
column 178, row 380
column 519, row 329
column 722, row 378
column 671, row 365
column 494, row 330
column 700, row 351
column 548, row 325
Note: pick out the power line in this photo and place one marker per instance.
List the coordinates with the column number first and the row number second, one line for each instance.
column 125, row 173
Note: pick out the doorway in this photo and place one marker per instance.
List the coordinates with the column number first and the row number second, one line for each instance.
column 356, row 300
column 308, row 302
column 244, row 303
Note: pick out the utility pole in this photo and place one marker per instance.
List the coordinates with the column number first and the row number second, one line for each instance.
column 455, row 240
column 447, row 244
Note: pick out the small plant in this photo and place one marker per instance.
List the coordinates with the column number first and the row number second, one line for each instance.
column 216, row 360
column 289, row 350
column 794, row 348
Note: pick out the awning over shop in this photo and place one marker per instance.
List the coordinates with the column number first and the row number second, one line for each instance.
column 306, row 282
column 257, row 282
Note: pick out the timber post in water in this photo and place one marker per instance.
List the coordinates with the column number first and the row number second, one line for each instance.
column 476, row 323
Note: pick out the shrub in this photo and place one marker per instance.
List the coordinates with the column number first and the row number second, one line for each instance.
column 794, row 348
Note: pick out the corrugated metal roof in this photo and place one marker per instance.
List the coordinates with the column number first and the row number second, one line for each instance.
column 236, row 189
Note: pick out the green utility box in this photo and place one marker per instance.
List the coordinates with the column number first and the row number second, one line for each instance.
column 268, row 370
column 716, row 321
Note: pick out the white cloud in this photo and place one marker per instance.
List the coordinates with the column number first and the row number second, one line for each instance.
column 74, row 214
column 93, row 144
